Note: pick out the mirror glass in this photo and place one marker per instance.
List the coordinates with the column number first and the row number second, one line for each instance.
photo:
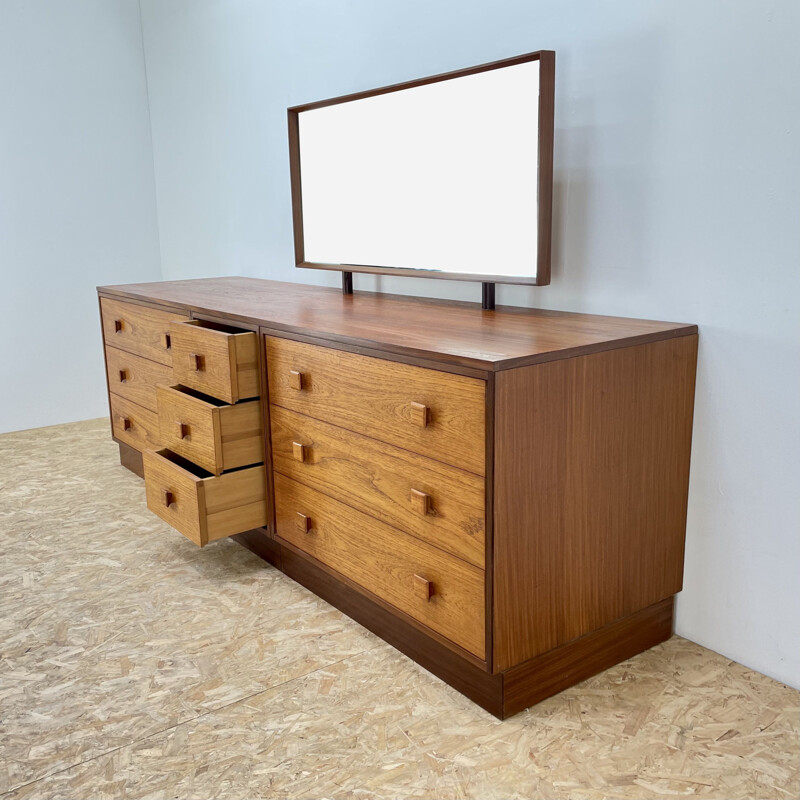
column 440, row 177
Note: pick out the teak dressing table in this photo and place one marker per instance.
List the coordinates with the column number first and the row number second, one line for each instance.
column 501, row 495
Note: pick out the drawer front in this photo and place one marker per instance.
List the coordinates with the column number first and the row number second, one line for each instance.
column 204, row 507
column 215, row 436
column 135, row 378
column 138, row 329
column 435, row 502
column 433, row 413
column 133, row 424
column 438, row 590
column 216, row 361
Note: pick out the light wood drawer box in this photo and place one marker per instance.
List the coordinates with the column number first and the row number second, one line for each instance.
column 212, row 434
column 216, row 360
column 133, row 424
column 441, row 504
column 433, row 587
column 138, row 329
column 135, row 378
column 201, row 506
column 437, row 414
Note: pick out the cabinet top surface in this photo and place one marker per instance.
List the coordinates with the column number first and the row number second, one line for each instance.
column 447, row 331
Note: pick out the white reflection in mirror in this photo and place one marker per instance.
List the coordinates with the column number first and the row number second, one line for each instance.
column 438, row 177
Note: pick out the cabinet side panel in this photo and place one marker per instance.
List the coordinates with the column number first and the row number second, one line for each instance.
column 591, row 481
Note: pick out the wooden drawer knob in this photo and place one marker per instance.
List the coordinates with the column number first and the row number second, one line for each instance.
column 419, row 414
column 296, row 380
column 123, row 375
column 126, row 423
column 166, row 340
column 299, row 451
column 302, row 522
column 118, row 325
column 421, row 502
column 183, row 430
column 197, row 362
column 168, row 497
column 423, row 587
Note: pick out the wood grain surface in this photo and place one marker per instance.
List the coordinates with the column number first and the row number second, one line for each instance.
column 384, row 482
column 215, row 436
column 591, row 484
column 204, row 507
column 385, row 561
column 131, row 459
column 134, row 425
column 375, row 397
column 235, row 502
column 138, row 329
column 452, row 332
column 551, row 672
column 184, row 510
column 141, row 376
column 220, row 363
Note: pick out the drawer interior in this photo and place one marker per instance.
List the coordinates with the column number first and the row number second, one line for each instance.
column 193, row 469
column 200, row 396
column 213, row 326
column 184, row 465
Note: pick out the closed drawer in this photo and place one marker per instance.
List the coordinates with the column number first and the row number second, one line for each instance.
column 214, row 435
column 133, row 424
column 216, row 360
column 201, row 506
column 438, row 503
column 135, row 378
column 438, row 590
column 426, row 411
column 138, row 329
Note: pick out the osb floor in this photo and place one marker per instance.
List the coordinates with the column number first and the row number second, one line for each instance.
column 135, row 665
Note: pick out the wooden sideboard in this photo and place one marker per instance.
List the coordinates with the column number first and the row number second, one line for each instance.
column 499, row 494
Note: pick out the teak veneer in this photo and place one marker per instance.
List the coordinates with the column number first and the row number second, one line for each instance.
column 444, row 420
column 433, row 501
column 447, row 334
column 214, row 435
column 499, row 494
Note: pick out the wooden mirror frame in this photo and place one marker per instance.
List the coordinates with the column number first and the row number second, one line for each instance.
column 546, row 59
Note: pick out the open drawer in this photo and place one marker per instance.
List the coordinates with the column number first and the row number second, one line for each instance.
column 217, row 436
column 204, row 507
column 217, row 360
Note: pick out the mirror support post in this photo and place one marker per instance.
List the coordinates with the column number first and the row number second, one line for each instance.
column 487, row 297
column 347, row 283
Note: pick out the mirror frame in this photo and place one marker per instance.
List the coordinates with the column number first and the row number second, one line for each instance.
column 546, row 59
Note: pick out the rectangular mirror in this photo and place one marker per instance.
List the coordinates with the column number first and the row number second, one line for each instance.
column 446, row 177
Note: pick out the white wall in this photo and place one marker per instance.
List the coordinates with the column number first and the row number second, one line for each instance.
column 677, row 197
column 77, row 199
